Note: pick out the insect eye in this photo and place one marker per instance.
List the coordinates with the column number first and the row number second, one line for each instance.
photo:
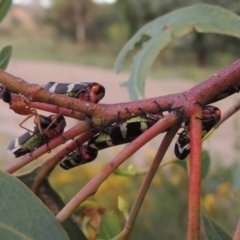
column 218, row 113
column 87, row 156
column 95, row 89
column 98, row 89
column 54, row 117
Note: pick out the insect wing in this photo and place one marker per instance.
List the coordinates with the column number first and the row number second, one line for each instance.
column 182, row 146
column 111, row 136
column 210, row 117
column 60, row 125
column 87, row 91
column 101, row 141
column 56, row 127
column 16, row 143
column 17, row 147
column 63, row 88
column 131, row 129
column 84, row 154
column 70, row 161
column 126, row 131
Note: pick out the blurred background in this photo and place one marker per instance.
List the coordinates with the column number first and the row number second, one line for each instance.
column 75, row 41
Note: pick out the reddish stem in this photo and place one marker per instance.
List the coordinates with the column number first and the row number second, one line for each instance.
column 70, row 134
column 148, row 179
column 47, row 107
column 203, row 93
column 51, row 162
column 58, row 110
column 92, row 186
column 237, row 232
column 195, row 174
column 233, row 109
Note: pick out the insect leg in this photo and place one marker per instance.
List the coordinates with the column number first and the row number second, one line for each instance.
column 28, row 117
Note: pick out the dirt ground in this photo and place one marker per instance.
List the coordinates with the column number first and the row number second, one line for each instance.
column 221, row 143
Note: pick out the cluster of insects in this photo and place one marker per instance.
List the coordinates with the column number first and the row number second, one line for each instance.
column 118, row 133
column 210, row 117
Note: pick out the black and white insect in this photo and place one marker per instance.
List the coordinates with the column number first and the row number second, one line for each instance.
column 51, row 127
column 84, row 154
column 210, row 117
column 87, row 153
column 21, row 105
column 92, row 92
column 116, row 134
column 132, row 128
column 87, row 91
column 5, row 94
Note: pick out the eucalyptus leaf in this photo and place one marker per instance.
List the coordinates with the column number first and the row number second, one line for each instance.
column 8, row 233
column 110, row 226
column 52, row 200
column 212, row 230
column 157, row 34
column 236, row 180
column 22, row 211
column 205, row 163
column 4, row 7
column 5, row 55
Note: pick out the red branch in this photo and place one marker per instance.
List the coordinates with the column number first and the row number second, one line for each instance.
column 204, row 93
column 147, row 181
column 92, row 186
column 195, row 173
column 51, row 162
column 70, row 134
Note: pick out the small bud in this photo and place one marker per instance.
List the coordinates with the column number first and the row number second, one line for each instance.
column 123, row 207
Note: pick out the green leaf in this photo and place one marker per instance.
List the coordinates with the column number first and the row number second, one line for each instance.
column 212, row 230
column 22, row 211
column 5, row 55
column 28, row 178
column 53, row 201
column 8, row 233
column 4, row 7
column 142, row 62
column 205, row 163
column 157, row 34
column 110, row 226
column 236, row 180
column 182, row 163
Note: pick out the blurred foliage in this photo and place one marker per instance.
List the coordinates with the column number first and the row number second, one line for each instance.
column 4, row 8
column 137, row 13
column 23, row 214
column 6, row 51
column 161, row 210
column 5, row 55
column 212, row 229
column 84, row 26
column 85, row 21
column 150, row 40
